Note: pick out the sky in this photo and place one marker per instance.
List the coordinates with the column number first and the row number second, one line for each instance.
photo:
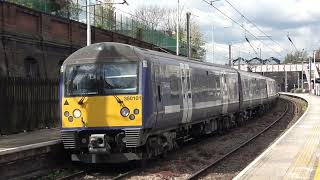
column 300, row 19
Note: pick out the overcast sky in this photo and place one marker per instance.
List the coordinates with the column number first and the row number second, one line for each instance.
column 277, row 18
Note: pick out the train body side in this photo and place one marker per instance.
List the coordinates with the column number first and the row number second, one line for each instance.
column 253, row 90
column 186, row 92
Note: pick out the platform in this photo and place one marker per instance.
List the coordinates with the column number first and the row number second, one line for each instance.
column 16, row 146
column 295, row 155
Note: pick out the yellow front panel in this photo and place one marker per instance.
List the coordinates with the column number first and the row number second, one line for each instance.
column 101, row 111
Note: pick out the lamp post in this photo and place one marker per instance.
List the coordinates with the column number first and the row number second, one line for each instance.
column 177, row 29
column 302, row 69
column 88, row 23
column 310, row 63
column 211, row 2
column 230, row 47
column 189, row 34
column 212, row 43
column 315, row 69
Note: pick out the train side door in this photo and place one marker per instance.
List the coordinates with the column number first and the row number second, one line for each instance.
column 224, row 94
column 240, row 91
column 158, row 91
column 189, row 93
column 185, row 76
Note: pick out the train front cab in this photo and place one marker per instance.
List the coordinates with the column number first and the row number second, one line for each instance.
column 101, row 110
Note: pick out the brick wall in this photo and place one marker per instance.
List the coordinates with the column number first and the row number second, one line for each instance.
column 47, row 39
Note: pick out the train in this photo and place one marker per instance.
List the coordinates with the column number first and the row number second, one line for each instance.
column 121, row 103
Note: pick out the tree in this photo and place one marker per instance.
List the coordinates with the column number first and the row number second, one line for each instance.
column 164, row 19
column 61, row 7
column 76, row 10
column 150, row 16
column 296, row 57
column 104, row 15
column 197, row 42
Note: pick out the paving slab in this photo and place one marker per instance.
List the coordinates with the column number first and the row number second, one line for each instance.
column 29, row 140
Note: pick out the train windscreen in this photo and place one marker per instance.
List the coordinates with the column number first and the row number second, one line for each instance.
column 116, row 78
column 120, row 78
column 81, row 80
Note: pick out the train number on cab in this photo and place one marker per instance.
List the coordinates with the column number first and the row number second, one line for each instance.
column 132, row 98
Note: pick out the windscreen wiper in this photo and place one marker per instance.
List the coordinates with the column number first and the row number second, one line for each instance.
column 80, row 102
column 83, row 96
column 114, row 95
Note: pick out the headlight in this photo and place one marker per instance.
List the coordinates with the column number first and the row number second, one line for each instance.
column 70, row 118
column 132, row 117
column 136, row 111
column 124, row 112
column 77, row 113
column 66, row 114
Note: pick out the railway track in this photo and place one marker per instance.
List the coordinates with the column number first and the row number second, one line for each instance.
column 81, row 173
column 127, row 174
column 73, row 175
column 205, row 169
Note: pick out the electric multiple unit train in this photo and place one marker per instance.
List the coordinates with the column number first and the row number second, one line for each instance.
column 121, row 103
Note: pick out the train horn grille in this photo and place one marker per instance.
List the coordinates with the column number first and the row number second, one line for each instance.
column 69, row 140
column 132, row 137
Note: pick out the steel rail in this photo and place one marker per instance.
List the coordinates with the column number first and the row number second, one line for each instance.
column 83, row 172
column 204, row 170
column 124, row 175
column 73, row 175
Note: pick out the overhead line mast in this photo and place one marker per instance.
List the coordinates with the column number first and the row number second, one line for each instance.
column 177, row 29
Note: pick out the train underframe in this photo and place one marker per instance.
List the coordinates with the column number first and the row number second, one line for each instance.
column 113, row 147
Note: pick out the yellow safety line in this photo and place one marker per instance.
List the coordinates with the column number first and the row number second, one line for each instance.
column 317, row 175
column 305, row 156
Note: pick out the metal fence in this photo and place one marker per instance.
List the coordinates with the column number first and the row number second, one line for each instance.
column 105, row 18
column 28, row 104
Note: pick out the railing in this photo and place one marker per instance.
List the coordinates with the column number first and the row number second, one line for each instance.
column 28, row 104
column 104, row 18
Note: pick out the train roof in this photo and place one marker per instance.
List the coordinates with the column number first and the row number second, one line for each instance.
column 102, row 52
column 105, row 51
column 112, row 51
column 181, row 58
column 256, row 75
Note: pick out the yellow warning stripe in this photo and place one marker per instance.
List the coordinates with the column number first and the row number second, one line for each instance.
column 317, row 175
column 303, row 165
